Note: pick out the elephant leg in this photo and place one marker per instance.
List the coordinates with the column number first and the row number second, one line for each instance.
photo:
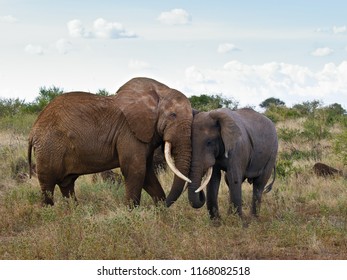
column 258, row 188
column 67, row 187
column 212, row 194
column 152, row 186
column 134, row 172
column 47, row 185
column 234, row 184
column 47, row 190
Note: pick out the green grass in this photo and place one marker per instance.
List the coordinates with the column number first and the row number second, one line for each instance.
column 303, row 217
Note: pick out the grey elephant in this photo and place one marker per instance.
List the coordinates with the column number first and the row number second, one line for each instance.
column 81, row 133
column 244, row 144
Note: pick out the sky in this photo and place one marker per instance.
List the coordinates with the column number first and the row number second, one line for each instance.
column 244, row 50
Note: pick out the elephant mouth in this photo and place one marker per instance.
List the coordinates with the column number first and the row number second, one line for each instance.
column 206, row 180
column 171, row 164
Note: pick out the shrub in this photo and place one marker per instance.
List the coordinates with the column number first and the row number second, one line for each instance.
column 288, row 134
column 206, row 102
column 281, row 113
column 271, row 101
column 284, row 168
column 340, row 146
column 11, row 107
column 315, row 129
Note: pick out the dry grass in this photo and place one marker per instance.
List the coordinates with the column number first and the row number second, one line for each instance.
column 304, row 217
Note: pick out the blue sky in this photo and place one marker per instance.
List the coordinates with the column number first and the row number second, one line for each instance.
column 246, row 50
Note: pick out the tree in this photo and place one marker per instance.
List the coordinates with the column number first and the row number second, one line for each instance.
column 308, row 107
column 271, row 101
column 11, row 106
column 103, row 92
column 46, row 95
column 206, row 102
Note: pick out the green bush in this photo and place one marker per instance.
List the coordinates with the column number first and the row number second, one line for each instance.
column 206, row 102
column 281, row 113
column 284, row 168
column 315, row 129
column 340, row 146
column 18, row 124
column 288, row 134
column 11, row 107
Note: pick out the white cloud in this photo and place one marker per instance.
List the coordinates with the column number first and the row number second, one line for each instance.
column 111, row 30
column 322, row 51
column 175, row 17
column 8, row 19
column 339, row 29
column 76, row 29
column 192, row 73
column 135, row 64
column 252, row 84
column 100, row 29
column 63, row 46
column 227, row 47
column 335, row 30
column 34, row 49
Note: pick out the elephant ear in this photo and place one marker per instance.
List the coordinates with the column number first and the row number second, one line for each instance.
column 141, row 112
column 230, row 131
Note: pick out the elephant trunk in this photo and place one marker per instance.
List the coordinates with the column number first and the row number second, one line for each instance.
column 182, row 155
column 196, row 199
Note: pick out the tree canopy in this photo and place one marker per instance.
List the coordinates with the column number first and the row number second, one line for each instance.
column 206, row 102
column 271, row 101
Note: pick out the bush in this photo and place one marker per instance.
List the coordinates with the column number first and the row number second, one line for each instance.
column 284, row 168
column 288, row 134
column 46, row 95
column 340, row 146
column 18, row 124
column 11, row 107
column 281, row 113
column 206, row 102
column 272, row 101
column 315, row 129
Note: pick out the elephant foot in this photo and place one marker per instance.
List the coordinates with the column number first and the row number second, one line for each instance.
column 217, row 222
column 47, row 199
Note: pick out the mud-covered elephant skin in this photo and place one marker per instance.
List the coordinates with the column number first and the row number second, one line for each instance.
column 244, row 144
column 81, row 133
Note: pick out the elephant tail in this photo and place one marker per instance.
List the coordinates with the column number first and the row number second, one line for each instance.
column 268, row 188
column 29, row 156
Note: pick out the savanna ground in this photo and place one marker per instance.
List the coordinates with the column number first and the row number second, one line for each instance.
column 303, row 217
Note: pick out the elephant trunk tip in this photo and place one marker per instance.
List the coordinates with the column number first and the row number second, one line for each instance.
column 197, row 200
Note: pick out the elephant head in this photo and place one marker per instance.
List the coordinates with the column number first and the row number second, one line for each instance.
column 157, row 114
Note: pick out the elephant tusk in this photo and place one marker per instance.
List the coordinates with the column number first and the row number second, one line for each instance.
column 206, row 180
column 185, row 186
column 171, row 164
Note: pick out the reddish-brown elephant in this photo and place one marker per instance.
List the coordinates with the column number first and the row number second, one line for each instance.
column 81, row 133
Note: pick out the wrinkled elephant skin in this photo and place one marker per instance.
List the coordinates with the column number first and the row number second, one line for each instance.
column 81, row 133
column 243, row 143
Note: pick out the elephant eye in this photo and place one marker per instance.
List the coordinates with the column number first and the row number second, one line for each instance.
column 209, row 143
column 173, row 115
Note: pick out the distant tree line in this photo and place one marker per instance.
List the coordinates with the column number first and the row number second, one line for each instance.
column 14, row 106
column 275, row 108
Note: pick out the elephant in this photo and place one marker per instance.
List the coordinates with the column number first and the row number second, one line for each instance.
column 82, row 133
column 244, row 144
